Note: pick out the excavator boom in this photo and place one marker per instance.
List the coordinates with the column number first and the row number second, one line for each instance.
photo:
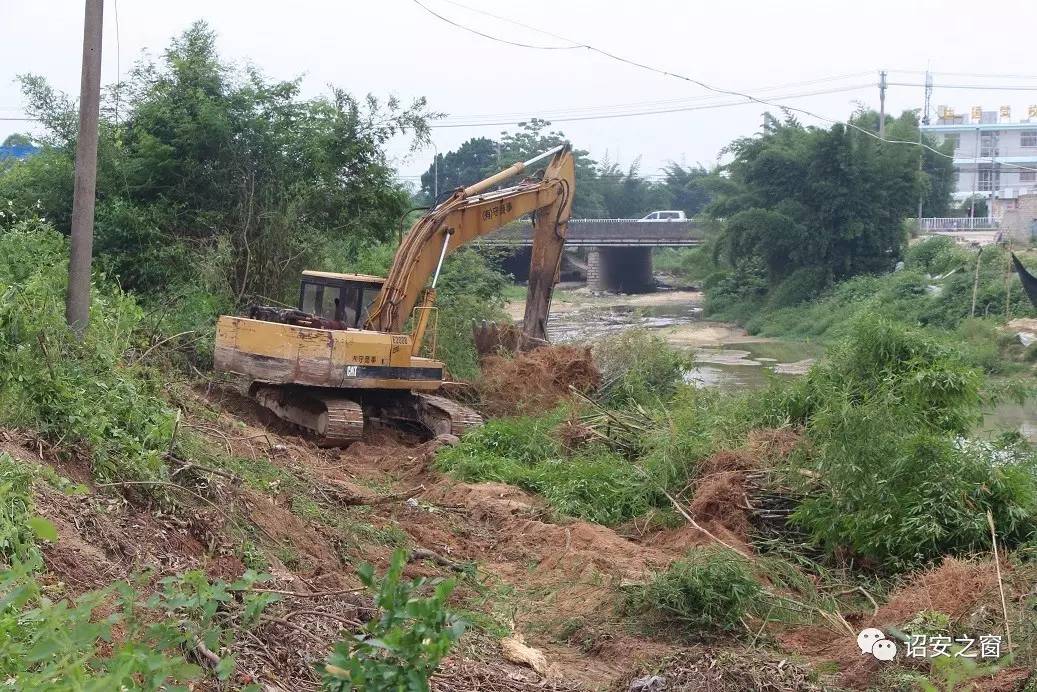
column 471, row 213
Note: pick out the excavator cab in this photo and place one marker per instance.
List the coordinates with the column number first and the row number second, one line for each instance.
column 343, row 298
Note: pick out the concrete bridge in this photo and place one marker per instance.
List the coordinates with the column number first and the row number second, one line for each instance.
column 619, row 251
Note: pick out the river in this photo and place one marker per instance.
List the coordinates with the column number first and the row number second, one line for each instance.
column 725, row 355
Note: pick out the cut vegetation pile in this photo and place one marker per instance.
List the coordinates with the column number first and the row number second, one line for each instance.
column 535, row 381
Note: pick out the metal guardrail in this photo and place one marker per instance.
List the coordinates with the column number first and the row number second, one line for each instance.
column 659, row 222
column 951, row 223
column 609, row 233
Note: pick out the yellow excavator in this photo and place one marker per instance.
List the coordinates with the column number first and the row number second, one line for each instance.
column 344, row 356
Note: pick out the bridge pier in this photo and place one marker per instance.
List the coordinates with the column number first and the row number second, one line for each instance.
column 620, row 269
column 517, row 263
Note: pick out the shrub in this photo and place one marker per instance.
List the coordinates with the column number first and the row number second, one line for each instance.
column 402, row 647
column 710, row 589
column 935, row 255
column 639, row 367
column 594, row 484
column 886, row 414
column 82, row 392
column 798, row 287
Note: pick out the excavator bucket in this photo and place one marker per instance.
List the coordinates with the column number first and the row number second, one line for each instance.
column 550, row 225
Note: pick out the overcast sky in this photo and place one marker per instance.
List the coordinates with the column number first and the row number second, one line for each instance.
column 396, row 47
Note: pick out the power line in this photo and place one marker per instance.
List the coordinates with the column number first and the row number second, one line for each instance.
column 1007, row 87
column 512, row 21
column 730, row 92
column 493, row 38
column 659, row 103
column 683, row 109
column 982, row 75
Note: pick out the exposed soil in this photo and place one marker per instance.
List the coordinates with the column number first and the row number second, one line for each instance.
column 556, row 582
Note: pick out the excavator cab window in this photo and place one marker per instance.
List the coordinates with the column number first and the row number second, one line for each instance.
column 345, row 301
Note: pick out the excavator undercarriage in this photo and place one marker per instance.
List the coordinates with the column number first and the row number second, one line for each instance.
column 335, row 420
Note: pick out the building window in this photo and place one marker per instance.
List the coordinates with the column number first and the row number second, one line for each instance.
column 1028, row 176
column 1028, row 138
column 953, row 139
column 988, row 179
column 988, row 144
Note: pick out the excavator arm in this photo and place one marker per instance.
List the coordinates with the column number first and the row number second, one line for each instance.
column 471, row 213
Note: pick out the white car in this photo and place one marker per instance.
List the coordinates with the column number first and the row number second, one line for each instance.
column 668, row 215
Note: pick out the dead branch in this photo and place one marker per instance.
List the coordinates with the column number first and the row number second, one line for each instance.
column 425, row 554
column 163, row 341
column 206, row 653
column 303, row 594
column 347, row 622
column 291, row 625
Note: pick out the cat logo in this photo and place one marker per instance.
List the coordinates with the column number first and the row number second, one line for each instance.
column 350, row 371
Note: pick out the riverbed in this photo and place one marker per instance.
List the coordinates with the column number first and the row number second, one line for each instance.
column 725, row 355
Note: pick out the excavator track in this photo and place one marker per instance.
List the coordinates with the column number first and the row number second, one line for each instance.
column 447, row 416
column 333, row 420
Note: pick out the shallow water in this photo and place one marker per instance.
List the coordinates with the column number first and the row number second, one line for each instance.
column 738, row 363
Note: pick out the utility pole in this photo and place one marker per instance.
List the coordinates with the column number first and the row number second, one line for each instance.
column 975, row 184
column 435, row 174
column 77, row 305
column 928, row 96
column 882, row 104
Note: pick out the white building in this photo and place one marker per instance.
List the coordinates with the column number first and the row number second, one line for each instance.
column 994, row 158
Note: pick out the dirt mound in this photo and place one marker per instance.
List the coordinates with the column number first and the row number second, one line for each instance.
column 956, row 588
column 773, row 444
column 725, row 461
column 103, row 539
column 535, row 381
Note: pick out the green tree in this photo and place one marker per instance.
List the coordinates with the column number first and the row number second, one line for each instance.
column 688, row 188
column 939, row 178
column 469, row 163
column 217, row 174
column 626, row 195
column 17, row 139
column 534, row 137
column 831, row 201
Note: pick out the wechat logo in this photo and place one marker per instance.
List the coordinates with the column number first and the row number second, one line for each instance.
column 873, row 641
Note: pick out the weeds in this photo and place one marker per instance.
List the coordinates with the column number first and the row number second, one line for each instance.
column 593, row 484
column 403, row 647
column 710, row 589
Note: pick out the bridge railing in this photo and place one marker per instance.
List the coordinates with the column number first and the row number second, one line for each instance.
column 951, row 223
